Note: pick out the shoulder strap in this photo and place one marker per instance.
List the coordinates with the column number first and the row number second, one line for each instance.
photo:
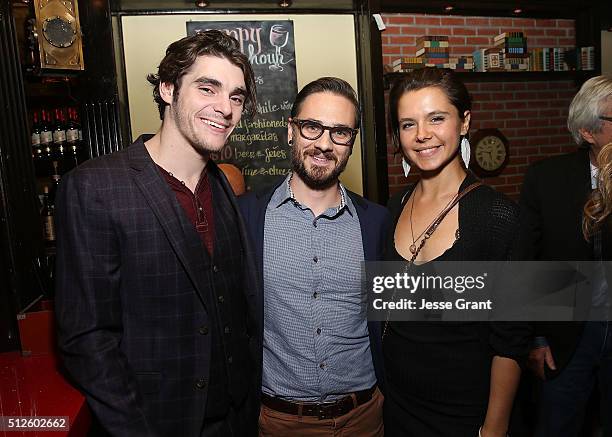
column 450, row 206
column 462, row 195
column 434, row 225
column 405, row 196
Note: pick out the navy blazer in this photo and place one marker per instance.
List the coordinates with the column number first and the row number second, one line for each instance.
column 374, row 221
column 553, row 195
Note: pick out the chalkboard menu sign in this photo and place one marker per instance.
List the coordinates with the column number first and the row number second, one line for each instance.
column 258, row 146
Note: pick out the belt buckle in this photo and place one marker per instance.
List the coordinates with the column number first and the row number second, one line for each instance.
column 328, row 411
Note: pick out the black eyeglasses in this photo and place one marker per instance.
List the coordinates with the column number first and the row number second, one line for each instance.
column 601, row 117
column 312, row 130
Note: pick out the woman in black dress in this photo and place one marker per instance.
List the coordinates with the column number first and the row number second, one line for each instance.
column 450, row 379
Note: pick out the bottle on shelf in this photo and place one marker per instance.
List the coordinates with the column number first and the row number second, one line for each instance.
column 83, row 153
column 55, row 179
column 46, row 144
column 48, row 218
column 35, row 142
column 74, row 147
column 59, row 139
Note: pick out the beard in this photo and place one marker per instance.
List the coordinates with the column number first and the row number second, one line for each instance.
column 316, row 178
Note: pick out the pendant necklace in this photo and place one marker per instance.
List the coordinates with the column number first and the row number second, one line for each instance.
column 413, row 247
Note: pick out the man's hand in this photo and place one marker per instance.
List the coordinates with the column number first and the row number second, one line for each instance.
column 537, row 357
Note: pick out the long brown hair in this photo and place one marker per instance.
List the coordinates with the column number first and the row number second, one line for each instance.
column 599, row 206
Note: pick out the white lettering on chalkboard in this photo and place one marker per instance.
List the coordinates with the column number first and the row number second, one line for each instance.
column 246, row 37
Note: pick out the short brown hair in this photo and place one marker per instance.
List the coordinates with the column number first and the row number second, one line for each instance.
column 427, row 77
column 332, row 85
column 181, row 55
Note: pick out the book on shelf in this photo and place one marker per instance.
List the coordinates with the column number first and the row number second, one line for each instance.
column 432, row 49
column 435, row 61
column 433, row 44
column 513, row 50
column 480, row 60
column 406, row 63
column 426, row 54
column 405, row 67
column 516, row 64
column 430, row 64
column 424, row 38
column 587, row 58
column 511, row 35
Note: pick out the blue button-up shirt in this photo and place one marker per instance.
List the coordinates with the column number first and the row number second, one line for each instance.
column 316, row 345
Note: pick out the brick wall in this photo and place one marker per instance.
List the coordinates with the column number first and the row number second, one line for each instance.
column 531, row 114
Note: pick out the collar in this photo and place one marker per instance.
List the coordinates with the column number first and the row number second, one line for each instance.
column 594, row 175
column 284, row 193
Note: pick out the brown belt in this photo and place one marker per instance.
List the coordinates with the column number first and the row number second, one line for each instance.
column 324, row 410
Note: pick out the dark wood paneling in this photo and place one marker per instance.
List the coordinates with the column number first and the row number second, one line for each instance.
column 101, row 127
column 373, row 131
column 20, row 237
column 225, row 5
column 21, row 248
column 588, row 32
column 98, row 91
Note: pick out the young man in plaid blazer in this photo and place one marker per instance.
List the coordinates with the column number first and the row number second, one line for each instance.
column 157, row 298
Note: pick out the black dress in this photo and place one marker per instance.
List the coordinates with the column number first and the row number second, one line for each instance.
column 438, row 373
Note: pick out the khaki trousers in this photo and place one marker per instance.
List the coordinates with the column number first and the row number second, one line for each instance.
column 363, row 421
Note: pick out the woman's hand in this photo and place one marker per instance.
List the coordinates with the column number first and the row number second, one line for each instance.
column 490, row 432
column 505, row 376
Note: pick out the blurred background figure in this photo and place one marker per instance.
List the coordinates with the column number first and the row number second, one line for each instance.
column 599, row 206
column 570, row 357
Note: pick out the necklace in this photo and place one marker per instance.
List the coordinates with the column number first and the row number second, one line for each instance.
column 413, row 246
column 428, row 233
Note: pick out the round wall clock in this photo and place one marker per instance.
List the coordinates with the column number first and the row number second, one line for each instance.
column 490, row 151
column 59, row 31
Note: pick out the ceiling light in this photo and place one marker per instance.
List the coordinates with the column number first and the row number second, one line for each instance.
column 449, row 8
column 284, row 3
column 517, row 11
column 201, row 3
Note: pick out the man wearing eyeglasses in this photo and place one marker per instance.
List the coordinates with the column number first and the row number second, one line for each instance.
column 321, row 358
column 570, row 357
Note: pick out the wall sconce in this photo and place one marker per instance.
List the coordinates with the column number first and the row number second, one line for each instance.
column 201, row 3
column 284, row 3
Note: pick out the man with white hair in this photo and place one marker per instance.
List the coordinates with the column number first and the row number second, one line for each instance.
column 570, row 357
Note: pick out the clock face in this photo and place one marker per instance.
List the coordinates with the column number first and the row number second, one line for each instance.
column 490, row 153
column 59, row 32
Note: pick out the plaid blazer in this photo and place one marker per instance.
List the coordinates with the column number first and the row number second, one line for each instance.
column 133, row 297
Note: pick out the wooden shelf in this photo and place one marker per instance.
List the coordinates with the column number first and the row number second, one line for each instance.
column 489, row 8
column 45, row 87
column 509, row 76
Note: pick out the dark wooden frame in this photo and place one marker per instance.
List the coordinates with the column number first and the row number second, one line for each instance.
column 475, row 138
